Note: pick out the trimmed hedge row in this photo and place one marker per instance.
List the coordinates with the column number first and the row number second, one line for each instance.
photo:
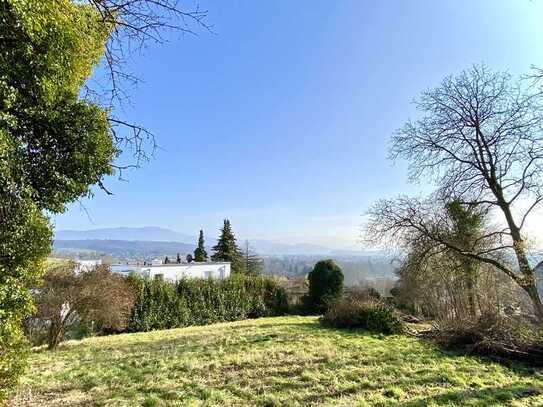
column 165, row 305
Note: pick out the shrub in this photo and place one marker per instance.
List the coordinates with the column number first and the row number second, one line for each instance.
column 493, row 334
column 325, row 286
column 92, row 300
column 165, row 305
column 363, row 313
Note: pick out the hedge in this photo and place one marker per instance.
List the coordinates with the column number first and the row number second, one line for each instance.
column 165, row 305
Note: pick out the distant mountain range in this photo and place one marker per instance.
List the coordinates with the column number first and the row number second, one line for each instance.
column 152, row 240
column 147, row 233
column 124, row 249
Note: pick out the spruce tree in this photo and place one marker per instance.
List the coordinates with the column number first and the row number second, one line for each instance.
column 227, row 249
column 200, row 253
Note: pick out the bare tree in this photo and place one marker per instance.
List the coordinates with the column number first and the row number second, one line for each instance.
column 254, row 265
column 447, row 247
column 480, row 139
column 96, row 297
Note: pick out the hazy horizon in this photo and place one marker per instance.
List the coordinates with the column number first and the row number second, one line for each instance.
column 280, row 121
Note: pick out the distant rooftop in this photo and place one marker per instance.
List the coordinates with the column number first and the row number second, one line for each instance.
column 194, row 263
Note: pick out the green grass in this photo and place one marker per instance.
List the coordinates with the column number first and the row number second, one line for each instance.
column 269, row 362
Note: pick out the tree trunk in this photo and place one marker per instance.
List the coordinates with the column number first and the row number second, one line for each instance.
column 55, row 334
column 471, row 296
column 528, row 280
column 531, row 289
column 470, row 275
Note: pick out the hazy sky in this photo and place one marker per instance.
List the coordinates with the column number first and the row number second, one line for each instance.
column 281, row 120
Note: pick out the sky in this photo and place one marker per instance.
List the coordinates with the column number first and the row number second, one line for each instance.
column 280, row 120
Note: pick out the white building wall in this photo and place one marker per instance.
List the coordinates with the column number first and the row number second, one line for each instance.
column 174, row 272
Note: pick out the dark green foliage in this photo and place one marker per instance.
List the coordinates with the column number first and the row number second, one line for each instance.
column 325, row 286
column 200, row 253
column 227, row 249
column 275, row 297
column 165, row 305
column 358, row 313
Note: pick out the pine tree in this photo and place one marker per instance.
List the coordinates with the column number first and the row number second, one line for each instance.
column 226, row 249
column 254, row 264
column 200, row 253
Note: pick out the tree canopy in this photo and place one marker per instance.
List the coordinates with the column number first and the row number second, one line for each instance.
column 200, row 253
column 227, row 249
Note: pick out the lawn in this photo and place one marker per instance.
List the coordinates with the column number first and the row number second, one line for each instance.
column 271, row 361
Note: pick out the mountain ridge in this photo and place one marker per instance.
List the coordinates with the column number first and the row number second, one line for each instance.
column 156, row 234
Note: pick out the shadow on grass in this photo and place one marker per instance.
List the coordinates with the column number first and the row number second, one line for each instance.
column 519, row 367
column 481, row 397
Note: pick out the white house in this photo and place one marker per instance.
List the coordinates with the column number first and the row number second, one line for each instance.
column 177, row 271
column 87, row 265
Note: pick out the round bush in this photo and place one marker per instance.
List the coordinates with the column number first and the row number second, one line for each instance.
column 325, row 286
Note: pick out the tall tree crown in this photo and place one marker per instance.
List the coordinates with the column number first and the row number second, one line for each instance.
column 227, row 249
column 200, row 253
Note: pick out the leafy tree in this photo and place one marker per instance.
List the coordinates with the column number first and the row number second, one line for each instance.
column 97, row 296
column 325, row 286
column 56, row 139
column 227, row 249
column 200, row 253
column 254, row 265
column 53, row 145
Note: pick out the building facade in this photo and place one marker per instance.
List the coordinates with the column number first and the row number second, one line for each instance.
column 177, row 271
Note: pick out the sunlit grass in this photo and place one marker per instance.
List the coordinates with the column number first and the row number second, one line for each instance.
column 286, row 361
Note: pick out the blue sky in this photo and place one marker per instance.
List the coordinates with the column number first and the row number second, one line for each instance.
column 281, row 120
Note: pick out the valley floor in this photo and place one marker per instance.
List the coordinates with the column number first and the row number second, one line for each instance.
column 285, row 361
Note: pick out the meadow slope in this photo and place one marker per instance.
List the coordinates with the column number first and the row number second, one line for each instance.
column 271, row 361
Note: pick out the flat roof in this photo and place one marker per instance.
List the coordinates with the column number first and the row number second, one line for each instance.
column 194, row 263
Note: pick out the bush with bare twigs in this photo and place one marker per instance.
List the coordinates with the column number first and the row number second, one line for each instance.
column 97, row 299
column 362, row 310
